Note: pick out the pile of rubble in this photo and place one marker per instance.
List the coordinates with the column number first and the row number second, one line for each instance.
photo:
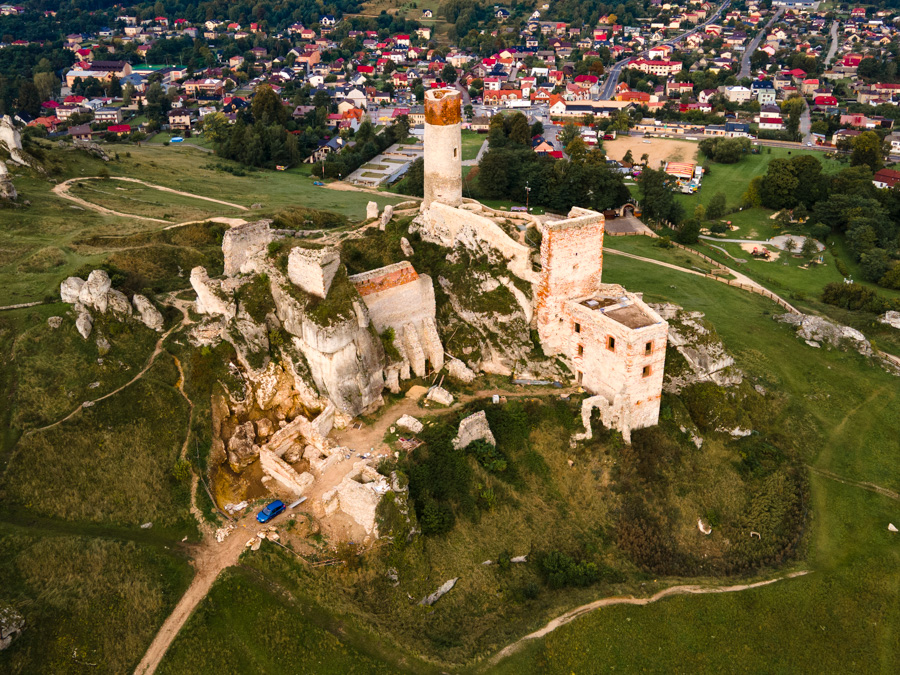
column 815, row 331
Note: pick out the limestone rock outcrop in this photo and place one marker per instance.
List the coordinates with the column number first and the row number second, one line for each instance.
column 241, row 244
column 117, row 303
column 371, row 210
column 11, row 141
column 70, row 289
column 410, row 424
column 91, row 148
column 7, row 189
column 473, row 428
column 440, row 395
column 12, row 623
column 406, row 247
column 149, row 315
column 891, row 318
column 460, row 371
column 284, row 473
column 815, row 329
column 94, row 291
column 242, row 449
column 696, row 340
column 386, row 216
column 84, row 323
column 212, row 297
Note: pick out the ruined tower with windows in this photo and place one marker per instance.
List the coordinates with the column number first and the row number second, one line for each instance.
column 613, row 342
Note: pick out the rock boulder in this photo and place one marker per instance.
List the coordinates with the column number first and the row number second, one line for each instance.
column 473, row 428
column 84, row 323
column 95, row 290
column 149, row 315
column 70, row 289
column 242, row 451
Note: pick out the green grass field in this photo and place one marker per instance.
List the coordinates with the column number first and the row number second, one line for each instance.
column 842, row 616
column 39, row 243
column 732, row 179
column 471, row 144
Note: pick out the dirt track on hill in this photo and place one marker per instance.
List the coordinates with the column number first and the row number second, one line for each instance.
column 62, row 190
column 608, row 602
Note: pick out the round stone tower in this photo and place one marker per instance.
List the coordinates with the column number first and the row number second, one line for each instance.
column 443, row 147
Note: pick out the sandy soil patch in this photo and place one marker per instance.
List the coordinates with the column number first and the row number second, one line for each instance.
column 774, row 253
column 659, row 149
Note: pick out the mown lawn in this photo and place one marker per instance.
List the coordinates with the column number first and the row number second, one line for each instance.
column 471, row 144
column 842, row 616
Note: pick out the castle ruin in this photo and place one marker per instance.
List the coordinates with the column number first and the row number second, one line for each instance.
column 613, row 342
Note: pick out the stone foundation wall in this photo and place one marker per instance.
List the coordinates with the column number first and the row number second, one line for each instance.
column 384, row 278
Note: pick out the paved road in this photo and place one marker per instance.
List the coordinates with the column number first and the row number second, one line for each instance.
column 834, row 42
column 612, row 78
column 745, row 60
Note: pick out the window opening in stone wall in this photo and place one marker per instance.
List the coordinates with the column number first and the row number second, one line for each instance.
column 647, row 371
column 580, row 350
column 648, row 348
column 578, row 376
column 611, row 343
column 577, row 327
column 454, row 153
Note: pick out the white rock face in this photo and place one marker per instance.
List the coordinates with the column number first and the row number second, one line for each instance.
column 817, row 329
column 473, row 428
column 70, row 289
column 242, row 451
column 892, row 319
column 12, row 623
column 7, row 189
column 406, row 247
column 149, row 315
column 371, row 210
column 460, row 371
column 11, row 139
column 211, row 297
column 445, row 588
column 386, row 216
column 94, row 291
column 242, row 243
column 84, row 323
column 117, row 302
column 410, row 424
column 440, row 395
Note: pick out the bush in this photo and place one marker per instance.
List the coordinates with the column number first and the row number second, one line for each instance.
column 664, row 242
column 855, row 297
column 560, row 570
column 689, row 232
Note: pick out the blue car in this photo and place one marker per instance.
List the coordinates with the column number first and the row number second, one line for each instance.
column 270, row 511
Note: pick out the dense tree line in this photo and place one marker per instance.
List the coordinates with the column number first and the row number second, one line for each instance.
column 846, row 203
column 512, row 170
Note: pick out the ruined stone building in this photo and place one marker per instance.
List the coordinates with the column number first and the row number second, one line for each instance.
column 613, row 343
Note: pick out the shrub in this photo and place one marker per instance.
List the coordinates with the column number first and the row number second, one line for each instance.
column 664, row 242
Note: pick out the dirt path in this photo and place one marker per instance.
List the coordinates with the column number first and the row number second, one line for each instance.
column 871, row 487
column 209, row 560
column 62, row 190
column 607, row 602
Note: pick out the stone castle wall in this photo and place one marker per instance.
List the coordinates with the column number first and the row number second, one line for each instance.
column 313, row 270
column 384, row 278
column 618, row 371
column 242, row 243
column 571, row 267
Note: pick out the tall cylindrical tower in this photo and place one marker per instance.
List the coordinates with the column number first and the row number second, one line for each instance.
column 443, row 147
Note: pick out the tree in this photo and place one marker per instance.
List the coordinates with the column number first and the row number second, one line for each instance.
column 114, row 90
column 47, row 85
column 266, row 106
column 494, row 174
column 29, row 100
column 577, row 149
column 689, row 233
column 699, row 212
column 568, row 134
column 656, row 197
column 717, row 206
column 867, row 151
column 645, row 158
column 414, row 181
column 790, row 245
column 216, row 127
column 448, row 74
column 809, row 248
column 127, row 94
column 628, row 158
column 875, row 264
column 537, row 129
column 519, row 131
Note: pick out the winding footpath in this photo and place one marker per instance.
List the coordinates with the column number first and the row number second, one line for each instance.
column 571, row 615
column 62, row 190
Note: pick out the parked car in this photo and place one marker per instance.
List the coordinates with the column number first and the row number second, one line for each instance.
column 270, row 511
